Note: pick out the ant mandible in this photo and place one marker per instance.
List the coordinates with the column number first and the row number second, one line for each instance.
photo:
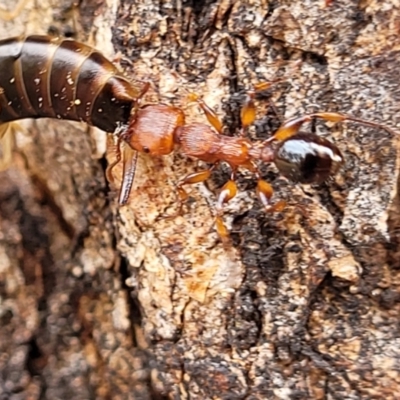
column 300, row 157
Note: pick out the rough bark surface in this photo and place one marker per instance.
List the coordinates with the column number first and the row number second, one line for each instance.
column 98, row 302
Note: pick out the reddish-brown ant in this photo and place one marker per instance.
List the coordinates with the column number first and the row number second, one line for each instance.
column 301, row 157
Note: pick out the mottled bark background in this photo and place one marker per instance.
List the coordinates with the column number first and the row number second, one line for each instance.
column 98, row 302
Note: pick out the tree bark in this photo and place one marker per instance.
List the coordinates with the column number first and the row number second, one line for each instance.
column 103, row 302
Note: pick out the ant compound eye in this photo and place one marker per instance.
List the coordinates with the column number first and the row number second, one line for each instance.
column 307, row 158
column 146, row 149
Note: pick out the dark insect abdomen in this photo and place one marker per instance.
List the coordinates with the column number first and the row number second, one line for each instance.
column 60, row 78
column 307, row 158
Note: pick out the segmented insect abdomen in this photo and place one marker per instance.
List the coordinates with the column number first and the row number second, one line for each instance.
column 60, row 78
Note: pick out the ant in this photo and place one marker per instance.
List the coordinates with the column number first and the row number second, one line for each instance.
column 300, row 157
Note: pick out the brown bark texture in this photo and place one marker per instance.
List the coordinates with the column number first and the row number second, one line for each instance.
column 101, row 302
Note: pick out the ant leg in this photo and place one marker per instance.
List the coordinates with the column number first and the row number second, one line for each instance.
column 293, row 125
column 289, row 128
column 337, row 117
column 210, row 114
column 264, row 193
column 248, row 111
column 10, row 15
column 196, row 177
column 227, row 193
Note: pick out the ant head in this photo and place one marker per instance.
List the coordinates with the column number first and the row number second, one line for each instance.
column 307, row 158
